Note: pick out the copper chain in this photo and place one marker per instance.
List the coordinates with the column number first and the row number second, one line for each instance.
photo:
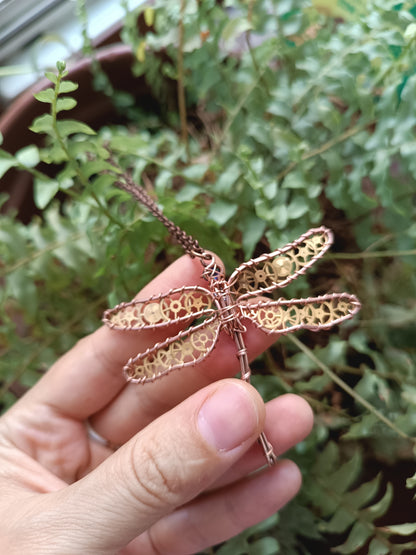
column 188, row 243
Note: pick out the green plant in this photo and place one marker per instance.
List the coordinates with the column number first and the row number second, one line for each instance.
column 293, row 119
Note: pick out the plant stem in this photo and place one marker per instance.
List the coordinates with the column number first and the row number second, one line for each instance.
column 83, row 180
column 349, row 389
column 371, row 254
column 180, row 82
column 235, row 113
column 323, row 148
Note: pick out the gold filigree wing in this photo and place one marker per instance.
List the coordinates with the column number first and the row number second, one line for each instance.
column 278, row 268
column 175, row 306
column 315, row 313
column 187, row 348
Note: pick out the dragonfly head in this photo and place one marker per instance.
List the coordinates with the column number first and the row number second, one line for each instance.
column 211, row 270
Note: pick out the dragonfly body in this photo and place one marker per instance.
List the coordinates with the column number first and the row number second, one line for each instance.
column 229, row 312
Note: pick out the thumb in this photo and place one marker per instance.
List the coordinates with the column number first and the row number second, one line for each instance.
column 164, row 466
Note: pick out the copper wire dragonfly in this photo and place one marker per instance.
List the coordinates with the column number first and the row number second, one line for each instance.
column 225, row 305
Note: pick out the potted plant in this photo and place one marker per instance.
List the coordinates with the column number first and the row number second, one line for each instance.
column 283, row 118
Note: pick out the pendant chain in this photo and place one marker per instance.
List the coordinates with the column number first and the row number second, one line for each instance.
column 188, row 243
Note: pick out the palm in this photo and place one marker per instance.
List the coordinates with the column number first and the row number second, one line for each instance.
column 47, row 447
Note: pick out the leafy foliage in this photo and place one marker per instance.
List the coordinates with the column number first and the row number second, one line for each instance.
column 295, row 118
column 330, row 486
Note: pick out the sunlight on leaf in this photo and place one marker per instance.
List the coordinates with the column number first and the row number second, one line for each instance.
column 44, row 192
column 70, row 127
column 28, row 156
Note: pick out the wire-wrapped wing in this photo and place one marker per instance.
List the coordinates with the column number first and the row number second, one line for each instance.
column 278, row 268
column 186, row 348
column 315, row 313
column 175, row 306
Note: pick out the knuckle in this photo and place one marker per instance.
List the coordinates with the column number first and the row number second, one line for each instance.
column 157, row 482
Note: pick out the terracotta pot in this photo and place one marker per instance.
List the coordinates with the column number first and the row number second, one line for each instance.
column 93, row 108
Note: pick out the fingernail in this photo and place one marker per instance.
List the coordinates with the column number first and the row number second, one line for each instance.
column 228, row 417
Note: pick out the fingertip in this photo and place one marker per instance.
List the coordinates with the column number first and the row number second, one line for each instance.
column 289, row 474
column 231, row 415
column 295, row 422
column 299, row 410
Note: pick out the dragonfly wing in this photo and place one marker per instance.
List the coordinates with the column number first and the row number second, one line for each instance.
column 175, row 306
column 314, row 313
column 278, row 268
column 186, row 348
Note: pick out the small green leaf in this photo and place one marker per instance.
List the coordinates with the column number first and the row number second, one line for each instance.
column 44, row 191
column 7, row 161
column 28, row 156
column 402, row 529
column 377, row 547
column 265, row 546
column 42, row 124
column 129, row 144
column 379, row 509
column 48, row 96
column 270, row 189
column 195, row 172
column 411, row 481
column 362, row 428
column 262, row 527
column 96, row 166
column 79, row 149
column 70, row 127
column 188, row 192
column 313, row 190
column 362, row 495
column 227, row 178
column 65, row 104
column 297, row 208
column 342, row 519
column 280, row 216
column 67, row 86
column 233, row 29
column 54, row 154
column 65, row 182
column 52, row 77
column 102, row 184
column 221, row 212
column 315, row 383
column 252, row 231
column 410, row 32
column 293, row 180
column 344, row 476
column 357, row 537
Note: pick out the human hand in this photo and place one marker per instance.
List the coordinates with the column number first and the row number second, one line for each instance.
column 180, row 481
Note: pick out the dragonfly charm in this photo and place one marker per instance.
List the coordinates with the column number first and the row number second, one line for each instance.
column 202, row 312
column 224, row 305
